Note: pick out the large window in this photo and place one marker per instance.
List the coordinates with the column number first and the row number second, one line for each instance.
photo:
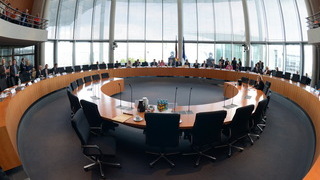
column 148, row 29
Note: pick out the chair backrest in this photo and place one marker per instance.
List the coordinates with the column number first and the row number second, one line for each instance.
column 102, row 66
column 104, row 75
column 268, row 83
column 81, row 126
column 304, row 80
column 94, row 67
column 85, row 67
column 252, row 82
column 162, row 129
column 80, row 81
column 144, row 64
column 25, row 78
column 96, row 77
column 245, row 80
column 279, row 74
column 207, row 127
column 110, row 65
column 69, row 69
column 77, row 68
column 273, row 72
column 92, row 113
column 287, row 75
column 295, row 77
column 240, row 121
column 73, row 85
column 60, row 70
column 257, row 115
column 87, row 79
column 3, row 84
column 266, row 107
column 74, row 102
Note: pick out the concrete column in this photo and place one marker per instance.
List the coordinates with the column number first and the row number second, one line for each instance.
column 180, row 28
column 247, row 29
column 111, row 30
column 316, row 65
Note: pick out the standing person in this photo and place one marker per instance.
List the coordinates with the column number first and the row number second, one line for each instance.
column 234, row 63
column 3, row 69
column 22, row 65
column 240, row 63
column 24, row 17
column 14, row 71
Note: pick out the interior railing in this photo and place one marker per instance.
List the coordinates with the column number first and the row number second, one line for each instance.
column 21, row 18
column 314, row 21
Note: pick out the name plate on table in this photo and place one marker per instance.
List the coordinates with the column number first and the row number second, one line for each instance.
column 230, row 106
column 64, row 73
column 13, row 90
column 247, row 97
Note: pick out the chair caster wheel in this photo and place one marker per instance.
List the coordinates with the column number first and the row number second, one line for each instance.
column 85, row 169
column 258, row 137
column 240, row 150
column 103, row 177
column 151, row 166
column 229, row 155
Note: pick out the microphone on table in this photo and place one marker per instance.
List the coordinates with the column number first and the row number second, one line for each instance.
column 224, row 96
column 131, row 96
column 189, row 101
column 175, row 100
column 120, row 94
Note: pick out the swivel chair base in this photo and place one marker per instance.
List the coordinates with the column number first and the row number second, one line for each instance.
column 160, row 156
column 200, row 155
column 97, row 162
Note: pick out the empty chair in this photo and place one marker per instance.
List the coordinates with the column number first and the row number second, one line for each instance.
column 69, row 69
column 162, row 131
column 94, row 67
column 287, row 75
column 245, row 80
column 97, row 124
column 266, row 88
column 305, row 80
column 252, row 82
column 104, row 75
column 206, row 133
column 80, row 81
column 77, row 68
column 258, row 115
column 95, row 148
column 87, row 79
column 25, row 77
column 85, row 67
column 74, row 103
column 73, row 85
column 239, row 127
column 102, row 66
column 60, row 70
column 279, row 74
column 295, row 77
column 273, row 73
column 110, row 65
column 96, row 77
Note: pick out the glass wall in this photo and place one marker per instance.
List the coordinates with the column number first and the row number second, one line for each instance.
column 148, row 29
column 10, row 53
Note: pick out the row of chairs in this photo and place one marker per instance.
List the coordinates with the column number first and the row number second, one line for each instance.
column 252, row 82
column 79, row 82
column 295, row 77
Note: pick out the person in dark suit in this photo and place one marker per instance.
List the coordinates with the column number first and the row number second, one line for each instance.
column 187, row 63
column 45, row 72
column 154, row 63
column 38, row 72
column 234, row 63
column 3, row 69
column 178, row 63
column 204, row 64
column 171, row 63
column 196, row 64
column 14, row 71
column 55, row 70
column 22, row 65
column 259, row 84
column 117, row 64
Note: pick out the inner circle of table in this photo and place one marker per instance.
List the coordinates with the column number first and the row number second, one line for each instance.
column 100, row 92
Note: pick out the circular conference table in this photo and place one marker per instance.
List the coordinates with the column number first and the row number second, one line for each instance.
column 108, row 106
column 13, row 107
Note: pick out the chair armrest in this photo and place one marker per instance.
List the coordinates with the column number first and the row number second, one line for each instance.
column 92, row 147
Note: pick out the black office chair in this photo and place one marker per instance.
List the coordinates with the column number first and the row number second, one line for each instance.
column 94, row 67
column 77, row 68
column 73, row 85
column 264, row 119
column 273, row 73
column 239, row 127
column 287, row 75
column 110, row 65
column 85, row 67
column 295, row 77
column 266, row 87
column 162, row 130
column 245, row 80
column 25, row 77
column 258, row 115
column 95, row 148
column 144, row 64
column 305, row 80
column 69, row 69
column 102, row 66
column 206, row 133
column 61, row 70
column 3, row 84
column 96, row 77
column 87, row 79
column 252, row 82
column 279, row 74
column 104, row 75
column 80, row 82
column 74, row 103
column 97, row 124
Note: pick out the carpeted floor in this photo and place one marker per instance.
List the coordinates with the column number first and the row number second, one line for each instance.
column 49, row 148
